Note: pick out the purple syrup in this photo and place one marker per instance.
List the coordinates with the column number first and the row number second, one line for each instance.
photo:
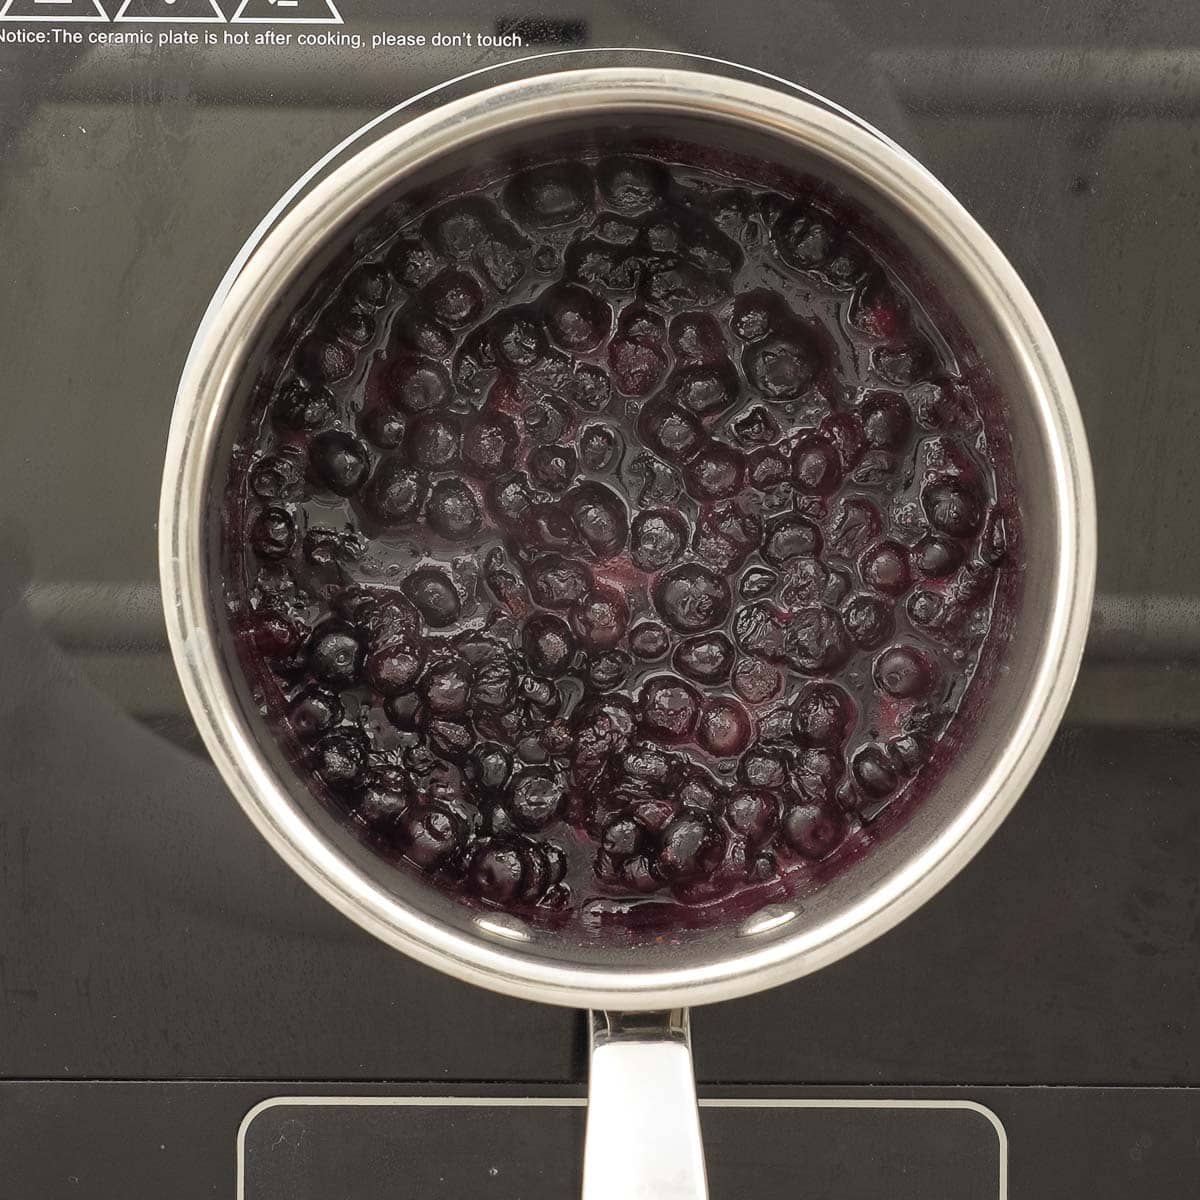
column 622, row 541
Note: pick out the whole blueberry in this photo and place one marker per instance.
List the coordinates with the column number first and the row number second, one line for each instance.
column 335, row 656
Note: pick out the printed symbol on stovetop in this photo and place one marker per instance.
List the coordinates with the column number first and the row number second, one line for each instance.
column 297, row 12
column 52, row 10
column 169, row 10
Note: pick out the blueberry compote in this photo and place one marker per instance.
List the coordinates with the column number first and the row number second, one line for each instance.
column 622, row 541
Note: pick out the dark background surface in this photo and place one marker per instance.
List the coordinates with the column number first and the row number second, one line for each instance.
column 147, row 933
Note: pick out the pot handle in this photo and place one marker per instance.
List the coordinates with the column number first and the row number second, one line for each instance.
column 643, row 1122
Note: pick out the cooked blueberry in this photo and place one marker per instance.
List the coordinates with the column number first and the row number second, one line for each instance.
column 274, row 635
column 715, row 472
column 412, row 263
column 598, row 448
column 874, row 773
column 431, row 836
column 577, row 319
column 384, row 428
column 756, row 681
column 432, row 592
column 868, row 621
column 649, row 640
column 816, row 465
column 493, row 765
column 489, row 445
column 670, row 431
column 692, row 598
column 403, row 710
column 697, row 340
column 600, row 618
column 621, row 837
column 452, row 738
column 637, row 353
column 324, row 360
column 495, row 685
column 657, row 539
column 335, row 656
column 517, row 340
column 704, row 391
column 753, row 315
column 691, row 847
column 554, row 194
column 608, row 669
column 756, row 427
column 314, row 711
column 348, row 324
column 632, row 185
column 952, row 508
column 497, row 873
column 907, row 362
column 768, row 469
column 669, row 708
column 552, row 467
column 886, row 421
column 433, row 441
column 724, row 728
column 302, row 408
column 454, row 298
column 908, row 752
column 395, row 492
column 816, row 641
column 781, row 368
column 453, row 510
column 368, row 287
column 537, row 795
column 382, row 803
column 272, row 533
column 757, row 582
column 825, row 714
column 558, row 582
column 339, row 758
column 753, row 813
column 763, row 768
column 277, row 476
column 814, row 831
column 904, row 672
column 790, row 537
column 707, row 658
column 419, row 384
column 339, row 461
column 885, row 568
column 446, row 687
column 937, row 557
column 599, row 517
column 394, row 667
column 548, row 643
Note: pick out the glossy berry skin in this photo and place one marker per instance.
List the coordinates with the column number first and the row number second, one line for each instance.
column 824, row 715
column 548, row 643
column 395, row 492
column 273, row 533
column 904, row 672
column 669, row 708
column 339, row 758
column 335, row 656
column 340, row 462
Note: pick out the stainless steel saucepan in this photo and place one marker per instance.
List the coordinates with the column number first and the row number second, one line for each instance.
column 643, row 1138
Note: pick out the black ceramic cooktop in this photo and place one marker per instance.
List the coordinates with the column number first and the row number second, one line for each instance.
column 161, row 971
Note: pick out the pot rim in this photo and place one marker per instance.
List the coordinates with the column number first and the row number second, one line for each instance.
column 209, row 382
